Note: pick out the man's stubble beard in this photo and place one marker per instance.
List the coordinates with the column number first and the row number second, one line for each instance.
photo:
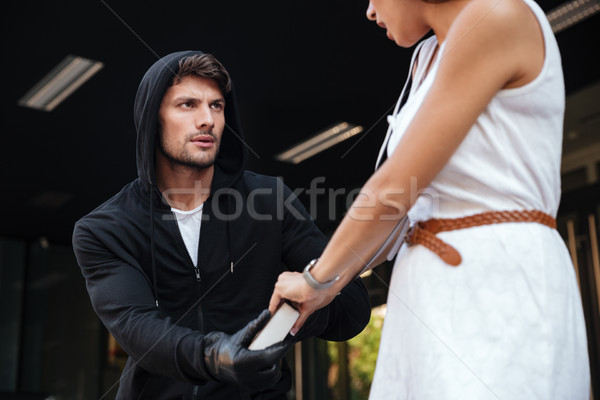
column 184, row 158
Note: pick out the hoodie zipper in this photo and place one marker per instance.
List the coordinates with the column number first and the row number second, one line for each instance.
column 197, row 275
column 191, row 262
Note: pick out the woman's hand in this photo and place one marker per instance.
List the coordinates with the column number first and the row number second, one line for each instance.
column 292, row 286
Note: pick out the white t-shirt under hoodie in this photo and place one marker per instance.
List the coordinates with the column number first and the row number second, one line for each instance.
column 189, row 223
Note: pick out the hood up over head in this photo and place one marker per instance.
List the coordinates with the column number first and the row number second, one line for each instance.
column 231, row 160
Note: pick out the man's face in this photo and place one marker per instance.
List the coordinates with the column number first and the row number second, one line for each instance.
column 192, row 120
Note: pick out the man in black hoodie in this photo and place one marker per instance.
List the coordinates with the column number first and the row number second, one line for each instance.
column 180, row 263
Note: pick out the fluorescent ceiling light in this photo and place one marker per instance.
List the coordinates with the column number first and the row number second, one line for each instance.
column 59, row 83
column 319, row 142
column 571, row 13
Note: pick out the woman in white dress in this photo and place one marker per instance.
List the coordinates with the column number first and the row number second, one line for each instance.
column 483, row 302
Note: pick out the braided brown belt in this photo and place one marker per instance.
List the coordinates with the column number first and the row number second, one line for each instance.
column 423, row 232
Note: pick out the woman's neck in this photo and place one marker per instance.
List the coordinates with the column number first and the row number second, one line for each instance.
column 441, row 16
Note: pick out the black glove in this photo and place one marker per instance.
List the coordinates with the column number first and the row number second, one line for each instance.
column 228, row 359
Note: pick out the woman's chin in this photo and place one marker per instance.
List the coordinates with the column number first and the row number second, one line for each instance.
column 401, row 43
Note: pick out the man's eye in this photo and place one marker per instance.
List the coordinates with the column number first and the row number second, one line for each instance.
column 217, row 106
column 187, row 104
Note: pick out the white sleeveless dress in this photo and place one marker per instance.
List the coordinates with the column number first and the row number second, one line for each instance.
column 507, row 323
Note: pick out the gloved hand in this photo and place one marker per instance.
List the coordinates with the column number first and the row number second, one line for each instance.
column 228, row 359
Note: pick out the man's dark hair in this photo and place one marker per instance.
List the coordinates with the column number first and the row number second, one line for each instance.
column 205, row 66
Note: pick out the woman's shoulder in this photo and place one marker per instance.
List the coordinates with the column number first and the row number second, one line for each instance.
column 502, row 37
column 506, row 32
column 508, row 17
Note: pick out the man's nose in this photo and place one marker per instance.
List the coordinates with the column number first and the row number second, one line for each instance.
column 371, row 14
column 204, row 118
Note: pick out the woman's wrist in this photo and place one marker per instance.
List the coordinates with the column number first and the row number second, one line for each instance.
column 316, row 281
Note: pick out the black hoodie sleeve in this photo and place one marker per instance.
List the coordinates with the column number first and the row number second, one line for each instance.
column 122, row 297
column 348, row 314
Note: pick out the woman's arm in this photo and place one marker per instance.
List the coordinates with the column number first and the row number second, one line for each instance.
column 491, row 45
column 348, row 314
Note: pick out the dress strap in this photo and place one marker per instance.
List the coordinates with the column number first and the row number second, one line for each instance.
column 424, row 62
column 401, row 101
